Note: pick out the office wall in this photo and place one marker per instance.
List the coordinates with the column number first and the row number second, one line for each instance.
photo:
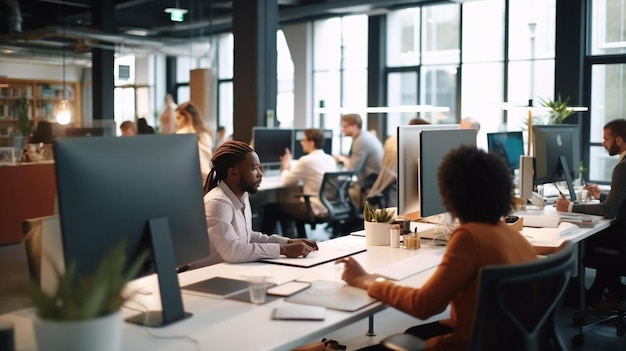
column 40, row 71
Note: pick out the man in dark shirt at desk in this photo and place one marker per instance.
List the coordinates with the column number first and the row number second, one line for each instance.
column 611, row 241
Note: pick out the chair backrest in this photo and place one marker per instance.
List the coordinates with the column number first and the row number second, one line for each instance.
column 516, row 304
column 335, row 196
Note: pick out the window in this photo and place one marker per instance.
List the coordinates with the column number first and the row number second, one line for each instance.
column 607, row 54
column 339, row 72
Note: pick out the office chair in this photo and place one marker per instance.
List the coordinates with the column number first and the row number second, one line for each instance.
column 516, row 306
column 603, row 260
column 335, row 197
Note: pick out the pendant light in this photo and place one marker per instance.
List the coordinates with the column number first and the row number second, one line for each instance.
column 64, row 115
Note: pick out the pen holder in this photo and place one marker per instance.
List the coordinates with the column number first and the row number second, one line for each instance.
column 515, row 222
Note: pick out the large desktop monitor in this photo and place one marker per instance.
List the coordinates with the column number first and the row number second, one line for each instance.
column 557, row 154
column 270, row 144
column 298, row 134
column 434, row 146
column 508, row 145
column 83, row 131
column 146, row 190
column 408, row 156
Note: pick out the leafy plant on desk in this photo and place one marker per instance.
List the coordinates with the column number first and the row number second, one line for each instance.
column 82, row 298
column 558, row 109
column 379, row 215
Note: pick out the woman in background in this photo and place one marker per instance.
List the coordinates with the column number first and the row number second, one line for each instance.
column 188, row 120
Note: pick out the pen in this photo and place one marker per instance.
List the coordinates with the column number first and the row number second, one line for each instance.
column 559, row 190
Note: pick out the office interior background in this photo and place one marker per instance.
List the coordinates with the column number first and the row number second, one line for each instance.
column 473, row 57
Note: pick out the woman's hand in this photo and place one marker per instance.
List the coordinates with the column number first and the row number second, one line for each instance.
column 355, row 275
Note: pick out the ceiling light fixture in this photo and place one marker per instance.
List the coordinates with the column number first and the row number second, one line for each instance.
column 176, row 13
column 63, row 113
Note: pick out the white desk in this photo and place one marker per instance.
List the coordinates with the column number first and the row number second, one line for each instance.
column 234, row 325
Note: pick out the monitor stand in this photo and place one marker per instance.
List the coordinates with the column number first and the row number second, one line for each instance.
column 568, row 178
column 165, row 267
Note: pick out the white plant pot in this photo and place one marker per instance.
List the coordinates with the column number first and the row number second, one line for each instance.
column 377, row 234
column 98, row 334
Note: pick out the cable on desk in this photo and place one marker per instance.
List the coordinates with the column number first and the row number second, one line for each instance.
column 146, row 328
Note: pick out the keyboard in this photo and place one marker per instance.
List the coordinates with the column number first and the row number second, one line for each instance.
column 409, row 266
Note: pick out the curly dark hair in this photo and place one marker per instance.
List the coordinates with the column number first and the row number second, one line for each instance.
column 475, row 186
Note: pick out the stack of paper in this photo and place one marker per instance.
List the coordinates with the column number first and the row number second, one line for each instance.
column 551, row 235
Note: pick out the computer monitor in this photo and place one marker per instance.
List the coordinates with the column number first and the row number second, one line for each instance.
column 298, row 134
column 508, row 145
column 270, row 144
column 557, row 154
column 83, row 131
column 146, row 190
column 408, row 155
column 434, row 146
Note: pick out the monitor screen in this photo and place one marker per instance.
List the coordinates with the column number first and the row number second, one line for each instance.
column 83, row 131
column 434, row 146
column 110, row 188
column 298, row 134
column 270, row 144
column 508, row 145
column 408, row 155
column 550, row 142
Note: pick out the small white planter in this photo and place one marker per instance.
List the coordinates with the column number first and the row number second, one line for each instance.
column 98, row 334
column 377, row 234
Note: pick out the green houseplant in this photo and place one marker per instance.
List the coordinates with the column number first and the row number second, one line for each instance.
column 377, row 225
column 559, row 110
column 21, row 112
column 85, row 307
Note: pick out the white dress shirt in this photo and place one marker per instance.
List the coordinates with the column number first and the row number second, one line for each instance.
column 229, row 226
column 310, row 170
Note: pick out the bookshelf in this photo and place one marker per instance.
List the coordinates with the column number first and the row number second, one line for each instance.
column 43, row 99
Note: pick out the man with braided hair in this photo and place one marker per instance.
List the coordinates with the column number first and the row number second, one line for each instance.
column 234, row 175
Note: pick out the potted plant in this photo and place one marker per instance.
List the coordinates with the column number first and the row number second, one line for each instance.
column 84, row 312
column 18, row 138
column 377, row 225
column 558, row 109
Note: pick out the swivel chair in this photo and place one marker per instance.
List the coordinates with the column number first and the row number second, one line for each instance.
column 515, row 307
column 335, row 197
column 606, row 261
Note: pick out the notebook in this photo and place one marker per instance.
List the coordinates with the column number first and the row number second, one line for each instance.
column 328, row 251
column 217, row 287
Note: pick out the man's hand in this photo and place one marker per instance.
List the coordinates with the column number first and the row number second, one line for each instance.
column 285, row 160
column 594, row 190
column 310, row 243
column 562, row 204
column 355, row 275
column 296, row 249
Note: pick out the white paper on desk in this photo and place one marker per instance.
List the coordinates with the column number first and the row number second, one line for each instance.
column 551, row 235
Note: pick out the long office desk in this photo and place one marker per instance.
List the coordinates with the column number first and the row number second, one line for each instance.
column 234, row 325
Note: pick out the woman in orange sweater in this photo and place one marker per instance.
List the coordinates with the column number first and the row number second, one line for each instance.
column 476, row 189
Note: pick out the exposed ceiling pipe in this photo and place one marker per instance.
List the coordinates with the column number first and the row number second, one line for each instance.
column 15, row 16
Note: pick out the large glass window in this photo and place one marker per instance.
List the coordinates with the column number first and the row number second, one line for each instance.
column 440, row 34
column 339, row 72
column 608, row 89
column 607, row 50
column 608, row 30
column 403, row 37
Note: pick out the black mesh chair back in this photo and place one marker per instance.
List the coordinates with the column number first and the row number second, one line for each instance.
column 516, row 304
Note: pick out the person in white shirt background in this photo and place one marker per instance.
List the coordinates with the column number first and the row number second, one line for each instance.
column 235, row 174
column 309, row 170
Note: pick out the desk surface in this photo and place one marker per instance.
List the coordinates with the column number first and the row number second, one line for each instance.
column 220, row 324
